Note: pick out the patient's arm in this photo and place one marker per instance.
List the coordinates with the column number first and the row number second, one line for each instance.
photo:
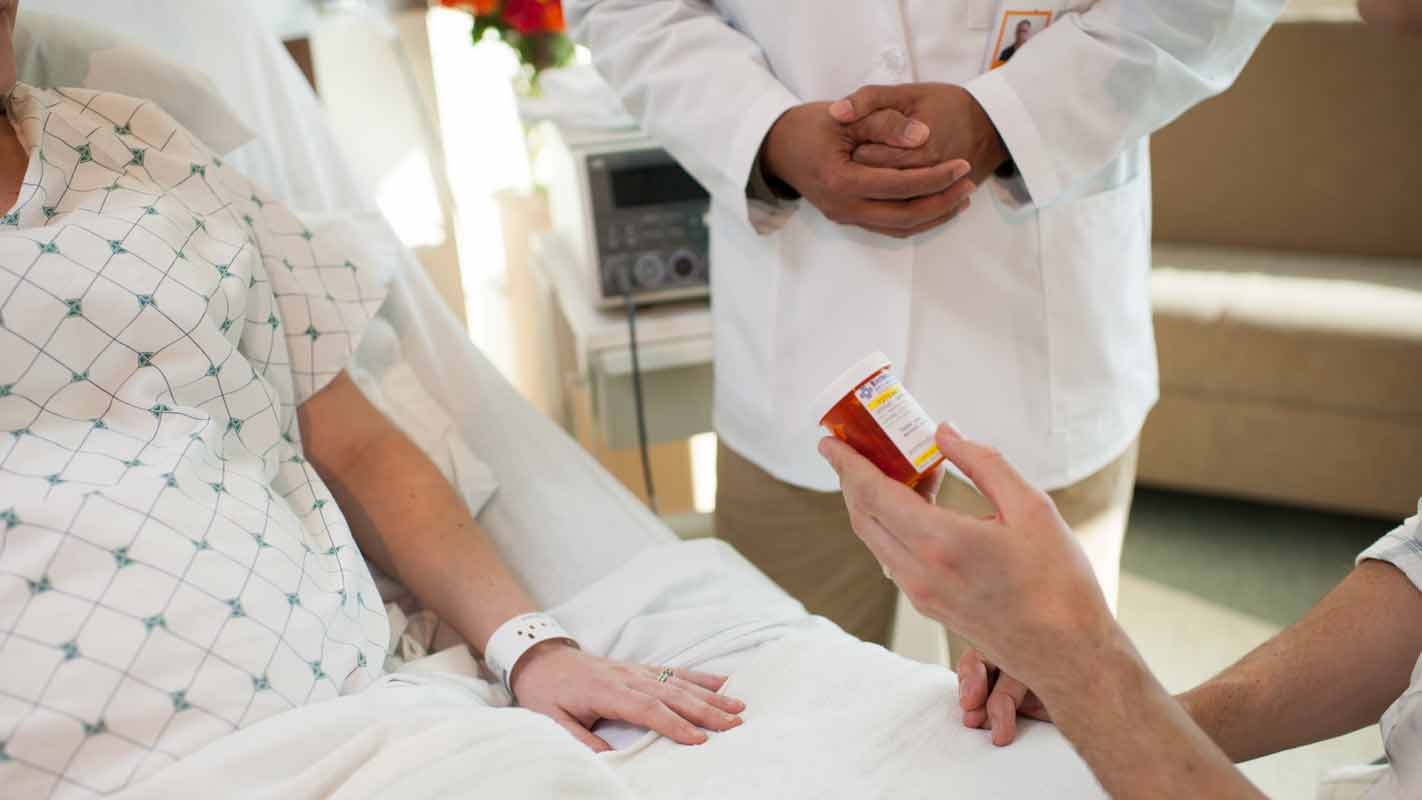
column 410, row 522
column 406, row 517
column 1333, row 672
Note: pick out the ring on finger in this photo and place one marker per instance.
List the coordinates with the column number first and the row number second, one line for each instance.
column 665, row 675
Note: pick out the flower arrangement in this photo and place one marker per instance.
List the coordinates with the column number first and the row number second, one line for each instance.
column 533, row 28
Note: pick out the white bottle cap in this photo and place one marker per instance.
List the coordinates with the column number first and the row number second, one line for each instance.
column 857, row 373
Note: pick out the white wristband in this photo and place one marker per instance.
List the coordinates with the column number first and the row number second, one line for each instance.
column 518, row 636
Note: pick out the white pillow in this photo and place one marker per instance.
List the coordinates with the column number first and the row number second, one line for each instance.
column 54, row 51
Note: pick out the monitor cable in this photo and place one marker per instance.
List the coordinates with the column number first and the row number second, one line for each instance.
column 637, row 388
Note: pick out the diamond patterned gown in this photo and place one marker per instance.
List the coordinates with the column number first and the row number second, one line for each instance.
column 171, row 569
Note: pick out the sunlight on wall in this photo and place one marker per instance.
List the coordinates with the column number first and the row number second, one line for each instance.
column 362, row 66
column 483, row 140
column 703, row 472
column 407, row 198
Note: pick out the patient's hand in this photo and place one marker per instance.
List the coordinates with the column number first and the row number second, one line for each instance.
column 991, row 698
column 577, row 689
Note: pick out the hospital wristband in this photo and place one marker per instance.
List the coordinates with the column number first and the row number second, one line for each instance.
column 516, row 637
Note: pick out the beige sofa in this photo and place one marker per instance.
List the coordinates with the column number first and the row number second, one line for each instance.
column 1288, row 280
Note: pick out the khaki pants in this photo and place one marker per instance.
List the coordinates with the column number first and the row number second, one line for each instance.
column 802, row 539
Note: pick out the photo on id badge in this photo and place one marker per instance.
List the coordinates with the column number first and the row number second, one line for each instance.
column 1015, row 29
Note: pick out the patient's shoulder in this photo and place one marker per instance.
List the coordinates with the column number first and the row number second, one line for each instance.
column 137, row 129
column 120, row 138
column 138, row 121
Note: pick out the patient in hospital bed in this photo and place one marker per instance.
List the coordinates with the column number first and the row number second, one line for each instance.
column 192, row 489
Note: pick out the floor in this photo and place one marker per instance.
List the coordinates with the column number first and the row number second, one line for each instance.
column 1206, row 579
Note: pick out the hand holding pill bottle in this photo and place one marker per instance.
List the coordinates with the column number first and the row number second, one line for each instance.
column 868, row 408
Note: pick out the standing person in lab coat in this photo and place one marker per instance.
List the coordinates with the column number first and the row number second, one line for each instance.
column 1022, row 33
column 1010, row 291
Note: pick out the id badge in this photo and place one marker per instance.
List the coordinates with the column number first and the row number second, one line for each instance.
column 1015, row 25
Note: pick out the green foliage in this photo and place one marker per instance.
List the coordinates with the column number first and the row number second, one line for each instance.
column 539, row 51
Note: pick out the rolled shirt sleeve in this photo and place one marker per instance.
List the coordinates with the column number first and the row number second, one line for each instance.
column 655, row 54
column 1402, row 548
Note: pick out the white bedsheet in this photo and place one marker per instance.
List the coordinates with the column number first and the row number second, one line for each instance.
column 407, row 737
column 827, row 715
column 830, row 716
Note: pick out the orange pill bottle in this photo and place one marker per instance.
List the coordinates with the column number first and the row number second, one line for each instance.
column 869, row 408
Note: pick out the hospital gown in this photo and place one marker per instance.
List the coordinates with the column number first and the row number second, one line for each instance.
column 171, row 568
column 1402, row 722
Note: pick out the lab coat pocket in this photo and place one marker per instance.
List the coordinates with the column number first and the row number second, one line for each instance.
column 1095, row 275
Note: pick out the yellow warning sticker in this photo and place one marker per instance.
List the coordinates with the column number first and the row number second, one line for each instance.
column 884, row 397
column 926, row 456
column 900, row 417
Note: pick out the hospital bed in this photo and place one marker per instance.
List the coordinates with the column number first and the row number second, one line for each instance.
column 828, row 716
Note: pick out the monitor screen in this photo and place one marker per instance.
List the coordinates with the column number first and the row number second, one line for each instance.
column 655, row 185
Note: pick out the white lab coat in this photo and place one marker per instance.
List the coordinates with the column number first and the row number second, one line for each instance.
column 1026, row 320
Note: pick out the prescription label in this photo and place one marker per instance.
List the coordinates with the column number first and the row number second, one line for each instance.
column 900, row 417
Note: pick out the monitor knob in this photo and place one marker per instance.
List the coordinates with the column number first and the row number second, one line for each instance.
column 683, row 264
column 649, row 270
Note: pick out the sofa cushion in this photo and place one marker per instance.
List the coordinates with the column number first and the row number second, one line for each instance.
column 1314, row 457
column 1305, row 331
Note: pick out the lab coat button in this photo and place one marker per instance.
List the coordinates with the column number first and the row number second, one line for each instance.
column 894, row 60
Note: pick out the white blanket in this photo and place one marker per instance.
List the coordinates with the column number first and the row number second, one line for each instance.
column 407, row 737
column 830, row 716
column 827, row 716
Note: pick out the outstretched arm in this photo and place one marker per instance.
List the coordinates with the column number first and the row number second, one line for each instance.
column 410, row 522
column 1137, row 740
column 1332, row 672
column 1019, row 587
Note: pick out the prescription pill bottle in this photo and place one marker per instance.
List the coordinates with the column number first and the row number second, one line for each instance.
column 869, row 408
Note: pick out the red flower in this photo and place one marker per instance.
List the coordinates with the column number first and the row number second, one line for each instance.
column 534, row 16
column 478, row 7
column 553, row 17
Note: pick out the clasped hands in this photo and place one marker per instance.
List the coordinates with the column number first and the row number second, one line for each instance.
column 894, row 160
